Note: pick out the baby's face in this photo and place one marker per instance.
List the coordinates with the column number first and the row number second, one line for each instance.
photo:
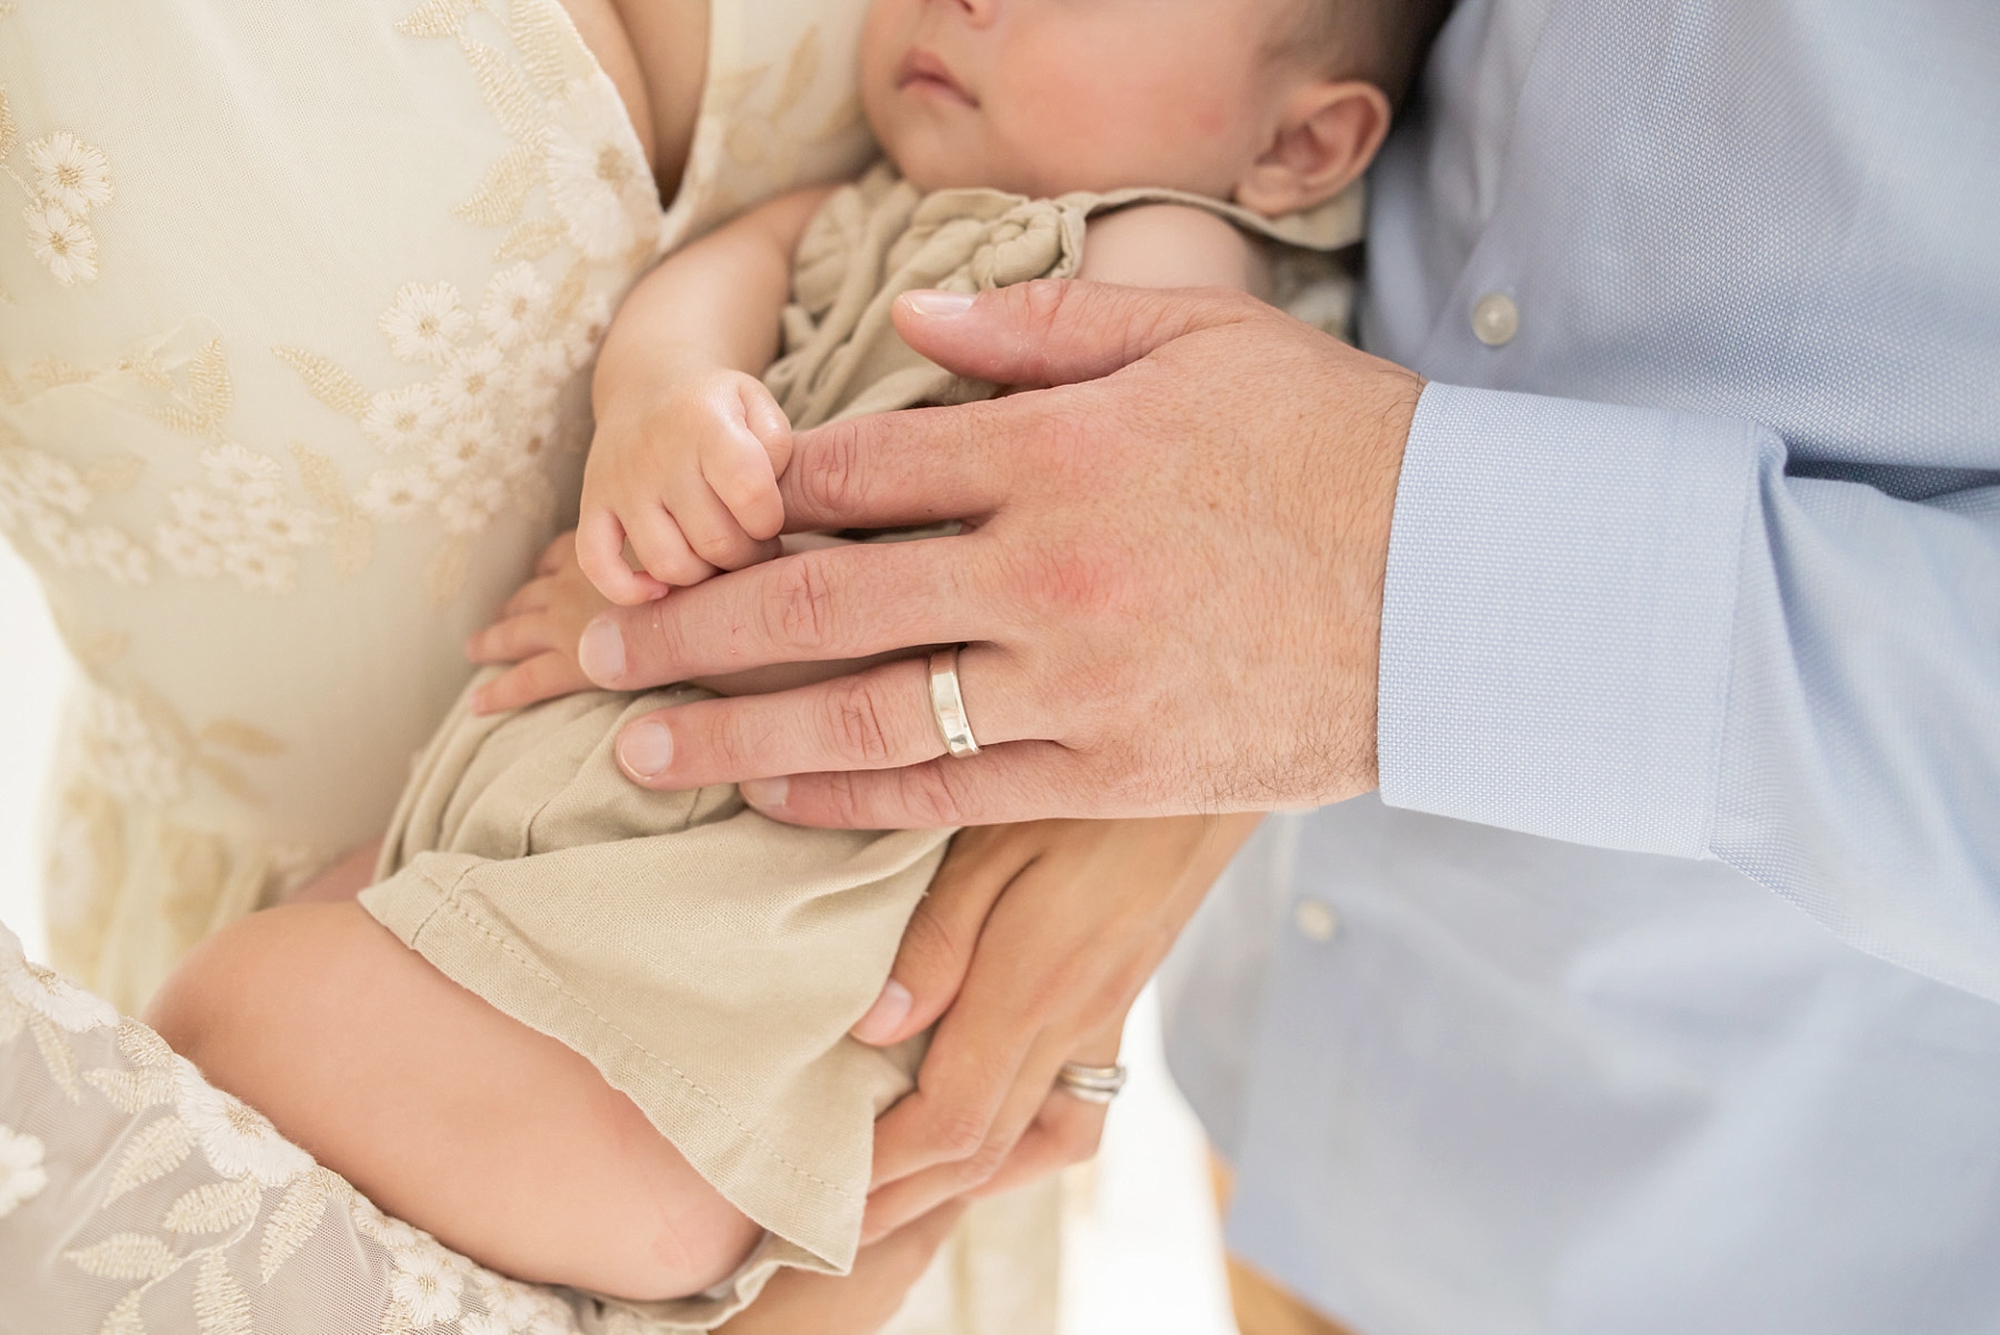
column 1046, row 96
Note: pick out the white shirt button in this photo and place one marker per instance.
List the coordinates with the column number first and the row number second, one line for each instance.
column 1316, row 920
column 1495, row 319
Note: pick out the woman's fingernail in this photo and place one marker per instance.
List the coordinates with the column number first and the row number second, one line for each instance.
column 600, row 652
column 646, row 749
column 939, row 305
column 766, row 794
column 880, row 1023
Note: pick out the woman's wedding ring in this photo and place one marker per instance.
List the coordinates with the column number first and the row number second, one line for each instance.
column 948, row 705
column 1092, row 1084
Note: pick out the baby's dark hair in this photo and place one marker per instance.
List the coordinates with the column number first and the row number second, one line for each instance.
column 1382, row 41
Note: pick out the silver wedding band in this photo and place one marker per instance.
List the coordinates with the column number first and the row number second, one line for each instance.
column 948, row 704
column 1092, row 1084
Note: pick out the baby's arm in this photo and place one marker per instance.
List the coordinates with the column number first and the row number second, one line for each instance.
column 1173, row 245
column 689, row 443
column 502, row 1142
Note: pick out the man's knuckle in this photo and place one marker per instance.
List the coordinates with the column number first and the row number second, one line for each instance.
column 802, row 611
column 927, row 795
column 857, row 723
column 829, row 476
column 961, row 1135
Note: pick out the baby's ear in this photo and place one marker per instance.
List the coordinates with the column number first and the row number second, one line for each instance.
column 1327, row 134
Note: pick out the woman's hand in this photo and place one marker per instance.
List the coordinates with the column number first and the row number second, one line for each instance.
column 1032, row 944
column 537, row 631
column 798, row 1302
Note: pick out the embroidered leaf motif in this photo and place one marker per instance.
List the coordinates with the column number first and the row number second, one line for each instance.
column 180, row 421
column 215, row 1207
column 141, row 1045
column 57, row 1055
column 448, row 570
column 295, row 1220
column 150, row 1155
column 239, row 736
column 328, row 382
column 124, row 1318
column 124, row 1256
column 839, row 121
column 117, row 474
column 133, row 1091
column 220, row 1305
column 513, row 99
column 353, row 536
column 569, row 293
column 800, row 72
column 226, row 777
column 209, row 388
column 503, row 191
column 7, row 130
column 729, row 91
column 530, row 240
column 436, row 18
column 532, row 27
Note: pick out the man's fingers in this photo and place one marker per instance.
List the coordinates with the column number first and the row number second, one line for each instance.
column 847, row 601
column 917, row 466
column 1066, row 1131
column 938, row 943
column 1016, row 782
column 876, row 718
column 1053, row 332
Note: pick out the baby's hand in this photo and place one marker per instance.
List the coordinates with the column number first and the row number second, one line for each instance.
column 537, row 631
column 688, row 476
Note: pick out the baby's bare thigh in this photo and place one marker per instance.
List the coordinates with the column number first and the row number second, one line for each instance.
column 502, row 1142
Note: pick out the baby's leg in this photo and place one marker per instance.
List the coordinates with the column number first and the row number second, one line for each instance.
column 502, row 1142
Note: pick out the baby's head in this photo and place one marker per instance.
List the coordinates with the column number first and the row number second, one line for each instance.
column 1276, row 104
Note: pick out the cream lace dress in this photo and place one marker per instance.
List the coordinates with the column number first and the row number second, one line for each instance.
column 297, row 305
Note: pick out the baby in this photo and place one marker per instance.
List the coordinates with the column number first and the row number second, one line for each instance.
column 603, row 1039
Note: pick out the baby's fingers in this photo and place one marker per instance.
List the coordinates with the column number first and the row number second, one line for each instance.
column 600, row 551
column 741, row 464
column 511, row 639
column 662, row 545
column 543, row 677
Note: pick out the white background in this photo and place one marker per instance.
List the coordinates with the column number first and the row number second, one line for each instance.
column 1141, row 1255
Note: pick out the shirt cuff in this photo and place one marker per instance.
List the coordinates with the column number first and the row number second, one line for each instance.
column 1557, row 616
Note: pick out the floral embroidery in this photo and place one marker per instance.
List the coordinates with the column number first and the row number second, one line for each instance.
column 44, row 498
column 71, row 178
column 22, row 1176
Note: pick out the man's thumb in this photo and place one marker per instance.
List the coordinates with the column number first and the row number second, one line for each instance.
column 1055, row 331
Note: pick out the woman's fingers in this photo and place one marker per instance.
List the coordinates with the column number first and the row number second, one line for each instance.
column 938, row 943
column 800, row 1302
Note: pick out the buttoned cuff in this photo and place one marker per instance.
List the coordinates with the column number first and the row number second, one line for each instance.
column 1556, row 623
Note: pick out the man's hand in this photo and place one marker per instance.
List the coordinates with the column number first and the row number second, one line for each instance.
column 1170, row 582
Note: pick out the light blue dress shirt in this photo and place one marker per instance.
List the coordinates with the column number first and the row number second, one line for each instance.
column 1659, row 990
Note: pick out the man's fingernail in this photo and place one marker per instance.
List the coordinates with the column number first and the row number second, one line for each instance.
column 646, row 749
column 766, row 794
column 890, row 1009
column 601, row 652
column 939, row 305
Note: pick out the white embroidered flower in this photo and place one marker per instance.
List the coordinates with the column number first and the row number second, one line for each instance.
column 471, row 383
column 237, row 1140
column 59, row 1001
column 515, row 1309
column 471, row 506
column 403, row 418
column 548, row 364
column 585, row 333
column 124, row 560
column 22, row 1176
column 424, row 323
column 206, row 513
column 127, row 755
column 260, row 566
column 463, row 446
column 70, row 172
column 63, row 541
column 586, row 181
column 516, row 301
column 279, row 523
column 395, row 494
column 426, row 1286
column 62, row 241
column 53, row 482
column 188, row 550
column 243, row 474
